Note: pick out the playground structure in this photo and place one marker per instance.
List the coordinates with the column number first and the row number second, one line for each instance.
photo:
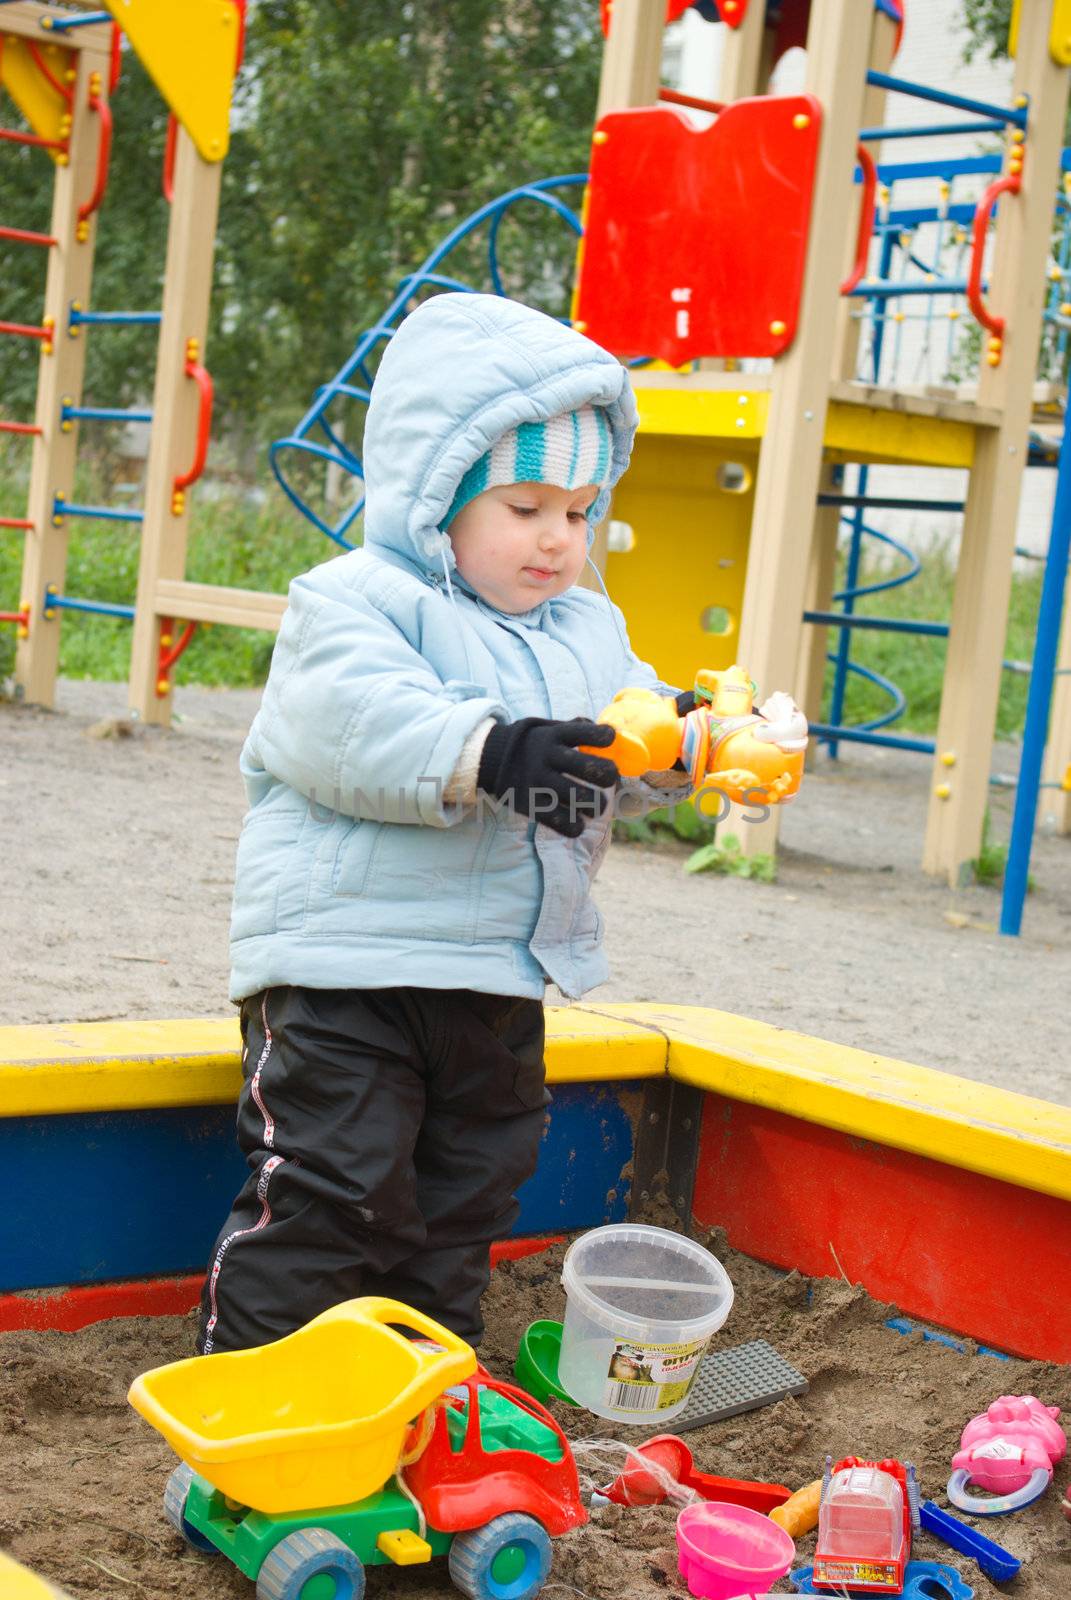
column 790, row 382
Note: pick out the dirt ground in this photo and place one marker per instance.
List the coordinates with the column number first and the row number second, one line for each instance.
column 117, row 854
column 81, row 1476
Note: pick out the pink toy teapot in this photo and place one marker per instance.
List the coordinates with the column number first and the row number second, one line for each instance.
column 1011, row 1450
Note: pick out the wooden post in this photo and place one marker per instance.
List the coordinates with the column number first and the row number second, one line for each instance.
column 812, row 665
column 632, row 56
column 743, row 58
column 176, row 401
column 959, row 790
column 790, row 459
column 70, row 273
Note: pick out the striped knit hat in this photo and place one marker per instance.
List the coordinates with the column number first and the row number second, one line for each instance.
column 569, row 450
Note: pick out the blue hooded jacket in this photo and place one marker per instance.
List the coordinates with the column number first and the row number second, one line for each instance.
column 353, row 871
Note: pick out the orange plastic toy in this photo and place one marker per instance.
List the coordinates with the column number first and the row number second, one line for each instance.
column 753, row 757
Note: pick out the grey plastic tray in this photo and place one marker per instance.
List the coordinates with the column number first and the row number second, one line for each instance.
column 741, row 1379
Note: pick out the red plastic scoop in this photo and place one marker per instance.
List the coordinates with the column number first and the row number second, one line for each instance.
column 636, row 1487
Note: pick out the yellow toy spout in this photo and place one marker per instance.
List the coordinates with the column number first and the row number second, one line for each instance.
column 753, row 757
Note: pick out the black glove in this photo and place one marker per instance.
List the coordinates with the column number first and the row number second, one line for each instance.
column 685, row 702
column 537, row 763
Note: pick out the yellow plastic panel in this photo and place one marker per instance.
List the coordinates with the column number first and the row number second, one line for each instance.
column 121, row 1066
column 997, row 1132
column 190, row 51
column 1059, row 32
column 870, row 433
column 404, row 1547
column 16, row 1583
column 685, row 572
column 43, row 106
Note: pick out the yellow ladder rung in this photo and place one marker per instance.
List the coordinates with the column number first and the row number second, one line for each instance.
column 404, row 1547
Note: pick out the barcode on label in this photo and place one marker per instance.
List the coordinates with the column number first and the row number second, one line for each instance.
column 634, row 1396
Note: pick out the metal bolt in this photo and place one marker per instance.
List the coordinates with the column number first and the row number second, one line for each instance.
column 653, row 1117
column 645, row 1194
column 680, row 1202
column 687, row 1123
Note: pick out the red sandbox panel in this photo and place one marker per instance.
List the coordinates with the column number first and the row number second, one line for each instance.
column 69, row 1309
column 970, row 1253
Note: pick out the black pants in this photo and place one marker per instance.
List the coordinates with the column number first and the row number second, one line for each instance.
column 386, row 1132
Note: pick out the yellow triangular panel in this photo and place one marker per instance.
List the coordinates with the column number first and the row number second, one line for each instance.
column 190, row 51
column 43, row 106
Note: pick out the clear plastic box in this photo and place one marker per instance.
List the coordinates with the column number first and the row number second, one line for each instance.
column 862, row 1516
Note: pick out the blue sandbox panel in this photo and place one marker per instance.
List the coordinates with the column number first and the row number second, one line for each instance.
column 130, row 1194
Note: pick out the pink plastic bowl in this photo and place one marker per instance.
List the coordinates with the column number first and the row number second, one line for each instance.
column 730, row 1552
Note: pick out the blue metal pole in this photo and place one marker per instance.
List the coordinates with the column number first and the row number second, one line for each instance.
column 927, row 130
column 879, row 502
column 839, row 619
column 890, row 741
column 102, row 608
column 1016, row 115
column 66, row 508
column 113, row 319
column 86, row 20
column 1039, row 696
column 102, row 414
column 868, row 289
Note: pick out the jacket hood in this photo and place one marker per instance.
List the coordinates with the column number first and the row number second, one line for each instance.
column 460, row 371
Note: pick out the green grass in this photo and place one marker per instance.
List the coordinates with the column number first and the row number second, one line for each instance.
column 232, row 542
column 917, row 663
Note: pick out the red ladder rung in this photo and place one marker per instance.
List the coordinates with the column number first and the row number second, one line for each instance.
column 15, row 522
column 15, row 137
column 20, row 427
column 24, row 236
column 23, row 330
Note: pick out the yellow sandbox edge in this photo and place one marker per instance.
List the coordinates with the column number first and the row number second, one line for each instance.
column 997, row 1132
column 1013, row 1137
column 125, row 1066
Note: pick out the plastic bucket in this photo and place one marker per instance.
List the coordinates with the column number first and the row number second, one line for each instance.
column 729, row 1553
column 641, row 1306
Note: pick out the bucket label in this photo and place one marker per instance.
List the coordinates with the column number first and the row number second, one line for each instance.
column 651, row 1377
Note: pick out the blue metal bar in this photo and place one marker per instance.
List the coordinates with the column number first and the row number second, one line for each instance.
column 892, row 741
column 911, row 217
column 877, row 502
column 103, row 608
column 963, row 167
column 65, row 24
column 928, row 130
column 102, row 414
column 66, row 508
column 1039, row 698
column 838, row 619
column 893, row 287
column 1016, row 115
column 914, row 567
column 113, row 319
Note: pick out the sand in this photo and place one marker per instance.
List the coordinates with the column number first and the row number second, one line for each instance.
column 118, row 854
column 81, row 1476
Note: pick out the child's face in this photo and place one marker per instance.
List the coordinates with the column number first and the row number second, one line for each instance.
column 520, row 543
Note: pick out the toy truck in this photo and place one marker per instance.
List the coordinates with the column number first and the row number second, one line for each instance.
column 346, row 1446
column 865, row 1523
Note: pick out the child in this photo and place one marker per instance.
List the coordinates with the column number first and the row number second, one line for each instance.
column 423, row 830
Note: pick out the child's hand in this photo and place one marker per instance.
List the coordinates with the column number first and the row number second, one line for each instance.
column 537, row 763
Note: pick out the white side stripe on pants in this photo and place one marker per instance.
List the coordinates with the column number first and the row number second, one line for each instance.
column 265, row 1216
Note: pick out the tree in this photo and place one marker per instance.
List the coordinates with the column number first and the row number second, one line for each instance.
column 361, row 134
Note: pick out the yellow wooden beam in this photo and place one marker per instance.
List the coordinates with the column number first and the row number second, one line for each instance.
column 853, row 431
column 126, row 1066
column 965, row 1124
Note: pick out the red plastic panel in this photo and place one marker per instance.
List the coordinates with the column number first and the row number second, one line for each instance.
column 970, row 1253
column 731, row 11
column 696, row 238
column 70, row 1309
